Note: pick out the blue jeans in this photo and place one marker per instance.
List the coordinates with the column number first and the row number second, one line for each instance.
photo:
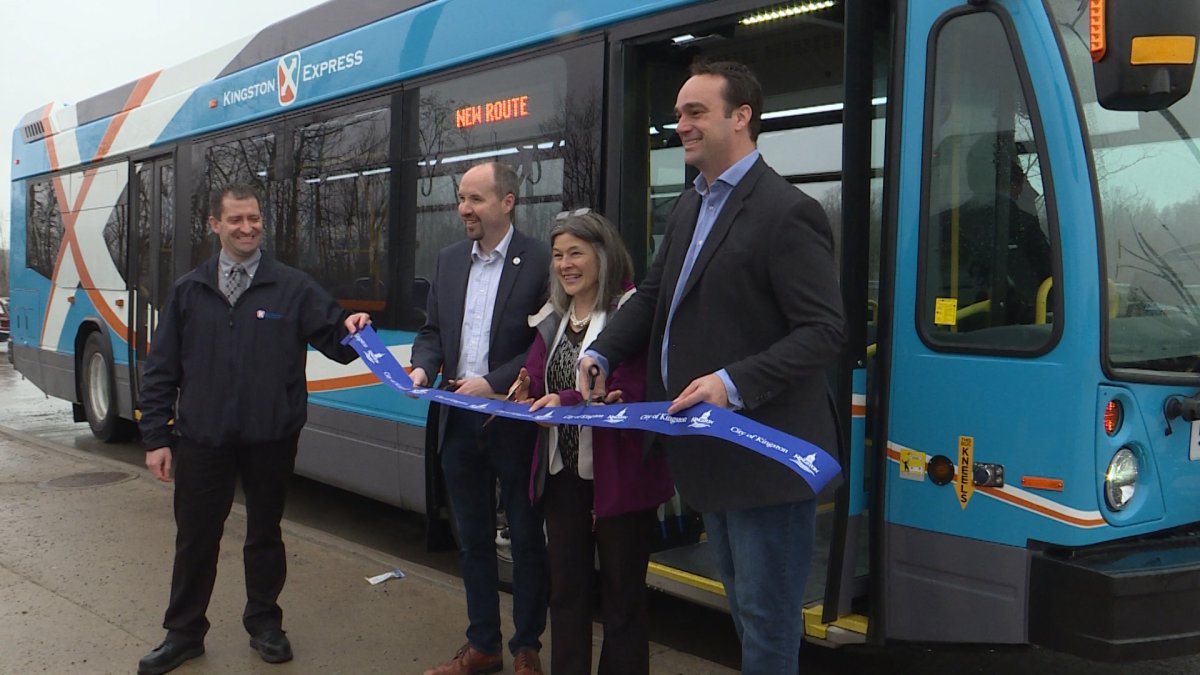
column 474, row 459
column 764, row 555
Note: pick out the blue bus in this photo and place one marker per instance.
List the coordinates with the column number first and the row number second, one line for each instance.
column 1013, row 186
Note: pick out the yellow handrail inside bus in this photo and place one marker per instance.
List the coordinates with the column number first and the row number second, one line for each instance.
column 976, row 308
column 1043, row 294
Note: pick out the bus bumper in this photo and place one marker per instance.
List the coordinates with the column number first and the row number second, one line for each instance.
column 1133, row 601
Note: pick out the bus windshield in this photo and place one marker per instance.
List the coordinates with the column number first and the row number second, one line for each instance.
column 1147, row 167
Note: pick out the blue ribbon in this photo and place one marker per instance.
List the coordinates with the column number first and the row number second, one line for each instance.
column 806, row 460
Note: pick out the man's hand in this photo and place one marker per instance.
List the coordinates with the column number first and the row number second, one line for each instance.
column 590, row 391
column 356, row 322
column 710, row 389
column 473, row 386
column 418, row 377
column 159, row 463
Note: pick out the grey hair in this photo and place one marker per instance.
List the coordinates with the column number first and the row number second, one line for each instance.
column 615, row 264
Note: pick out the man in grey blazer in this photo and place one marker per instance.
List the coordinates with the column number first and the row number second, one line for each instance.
column 477, row 333
column 741, row 309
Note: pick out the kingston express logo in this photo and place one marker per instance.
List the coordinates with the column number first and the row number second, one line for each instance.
column 286, row 71
column 290, row 72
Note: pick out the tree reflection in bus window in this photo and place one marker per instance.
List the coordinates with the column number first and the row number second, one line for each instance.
column 45, row 231
column 336, row 225
column 554, row 144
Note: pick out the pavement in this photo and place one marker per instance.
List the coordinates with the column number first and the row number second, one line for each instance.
column 85, row 560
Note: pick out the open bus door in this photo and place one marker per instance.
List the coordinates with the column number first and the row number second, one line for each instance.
column 808, row 79
column 153, row 220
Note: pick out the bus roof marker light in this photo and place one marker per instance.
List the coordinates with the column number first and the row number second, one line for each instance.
column 1114, row 414
column 783, row 12
column 1099, row 42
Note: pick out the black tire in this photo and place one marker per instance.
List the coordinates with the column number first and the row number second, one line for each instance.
column 98, row 392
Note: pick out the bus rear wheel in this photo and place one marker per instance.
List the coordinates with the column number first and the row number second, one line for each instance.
column 98, row 390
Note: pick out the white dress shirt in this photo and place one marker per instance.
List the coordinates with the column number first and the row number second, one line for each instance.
column 483, row 283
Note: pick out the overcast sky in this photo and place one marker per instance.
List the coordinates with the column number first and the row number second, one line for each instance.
column 69, row 50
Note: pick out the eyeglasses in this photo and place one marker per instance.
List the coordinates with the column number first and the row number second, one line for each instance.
column 563, row 215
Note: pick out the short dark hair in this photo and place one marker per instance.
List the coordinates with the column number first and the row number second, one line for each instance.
column 741, row 88
column 234, row 190
column 505, row 178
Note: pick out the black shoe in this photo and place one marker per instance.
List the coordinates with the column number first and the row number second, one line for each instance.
column 272, row 645
column 168, row 656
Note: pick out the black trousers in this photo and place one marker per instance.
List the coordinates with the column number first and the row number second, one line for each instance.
column 623, row 545
column 204, row 487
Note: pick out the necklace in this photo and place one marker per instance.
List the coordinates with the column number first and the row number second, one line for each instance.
column 579, row 324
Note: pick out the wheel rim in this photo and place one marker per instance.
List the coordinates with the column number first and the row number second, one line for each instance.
column 98, row 388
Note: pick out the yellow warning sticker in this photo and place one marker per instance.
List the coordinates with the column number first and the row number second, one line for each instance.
column 965, row 485
column 912, row 465
column 945, row 312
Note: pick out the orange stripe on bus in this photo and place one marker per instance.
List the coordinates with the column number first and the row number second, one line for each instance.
column 347, row 382
column 1024, row 503
column 50, row 150
column 136, row 97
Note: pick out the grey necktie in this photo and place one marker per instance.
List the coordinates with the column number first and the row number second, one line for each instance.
column 235, row 283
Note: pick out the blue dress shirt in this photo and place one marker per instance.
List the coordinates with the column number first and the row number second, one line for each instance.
column 713, row 198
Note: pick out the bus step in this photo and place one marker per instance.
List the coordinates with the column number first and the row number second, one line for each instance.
column 847, row 630
column 687, row 572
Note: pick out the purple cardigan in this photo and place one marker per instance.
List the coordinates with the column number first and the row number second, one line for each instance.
column 623, row 479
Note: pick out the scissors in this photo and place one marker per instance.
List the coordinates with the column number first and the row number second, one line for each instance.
column 512, row 394
column 593, row 372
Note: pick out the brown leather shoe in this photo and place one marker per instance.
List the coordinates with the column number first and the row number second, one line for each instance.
column 526, row 662
column 471, row 661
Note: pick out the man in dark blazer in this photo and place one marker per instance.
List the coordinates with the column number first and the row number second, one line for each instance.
column 741, row 309
column 477, row 333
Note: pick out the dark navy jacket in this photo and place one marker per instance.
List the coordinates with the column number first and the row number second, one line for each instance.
column 238, row 372
column 523, row 288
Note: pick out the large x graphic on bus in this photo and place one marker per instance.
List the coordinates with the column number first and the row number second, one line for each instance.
column 70, row 212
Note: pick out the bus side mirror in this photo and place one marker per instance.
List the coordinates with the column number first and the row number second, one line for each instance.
column 1143, row 51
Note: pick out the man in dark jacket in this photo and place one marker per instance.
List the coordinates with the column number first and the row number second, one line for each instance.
column 230, row 348
column 742, row 310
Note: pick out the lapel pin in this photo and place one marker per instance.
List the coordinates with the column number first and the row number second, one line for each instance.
column 517, row 260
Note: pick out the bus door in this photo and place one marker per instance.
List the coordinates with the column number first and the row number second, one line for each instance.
column 799, row 60
column 976, row 354
column 152, row 255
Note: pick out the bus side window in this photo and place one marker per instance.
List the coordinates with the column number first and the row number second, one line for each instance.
column 45, row 230
column 986, row 244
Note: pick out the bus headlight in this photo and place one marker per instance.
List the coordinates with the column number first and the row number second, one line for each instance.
column 1120, row 481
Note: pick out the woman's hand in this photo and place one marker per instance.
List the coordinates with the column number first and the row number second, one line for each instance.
column 547, row 401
